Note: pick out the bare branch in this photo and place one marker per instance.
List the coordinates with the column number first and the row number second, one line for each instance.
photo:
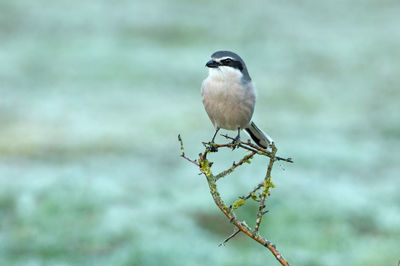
column 267, row 185
column 205, row 168
column 183, row 152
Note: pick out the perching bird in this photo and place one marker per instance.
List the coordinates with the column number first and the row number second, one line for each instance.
column 229, row 97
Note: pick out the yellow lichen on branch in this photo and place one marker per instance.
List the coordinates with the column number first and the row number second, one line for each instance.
column 205, row 168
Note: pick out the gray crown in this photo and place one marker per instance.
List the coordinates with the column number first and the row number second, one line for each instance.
column 221, row 54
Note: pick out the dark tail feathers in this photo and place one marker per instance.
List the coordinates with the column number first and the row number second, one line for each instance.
column 258, row 136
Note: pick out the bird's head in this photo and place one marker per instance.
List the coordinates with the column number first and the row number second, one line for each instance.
column 228, row 64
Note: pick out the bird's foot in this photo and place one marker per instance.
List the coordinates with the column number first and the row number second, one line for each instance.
column 235, row 143
column 212, row 147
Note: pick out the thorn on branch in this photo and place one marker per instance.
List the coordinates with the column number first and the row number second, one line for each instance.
column 264, row 212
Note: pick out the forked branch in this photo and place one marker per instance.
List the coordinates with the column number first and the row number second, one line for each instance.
column 205, row 168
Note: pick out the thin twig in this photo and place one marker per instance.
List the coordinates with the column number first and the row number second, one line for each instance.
column 246, row 158
column 235, row 232
column 183, row 152
column 254, row 190
column 252, row 147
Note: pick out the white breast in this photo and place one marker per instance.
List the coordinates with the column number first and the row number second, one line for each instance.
column 228, row 100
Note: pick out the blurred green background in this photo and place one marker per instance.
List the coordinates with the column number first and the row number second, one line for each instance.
column 94, row 93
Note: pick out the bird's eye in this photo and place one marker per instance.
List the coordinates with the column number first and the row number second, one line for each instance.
column 227, row 61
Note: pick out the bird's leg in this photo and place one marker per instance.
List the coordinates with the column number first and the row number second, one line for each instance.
column 236, row 141
column 215, row 134
column 212, row 147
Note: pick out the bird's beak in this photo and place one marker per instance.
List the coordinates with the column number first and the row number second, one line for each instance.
column 212, row 64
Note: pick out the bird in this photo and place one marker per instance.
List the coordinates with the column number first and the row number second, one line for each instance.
column 229, row 97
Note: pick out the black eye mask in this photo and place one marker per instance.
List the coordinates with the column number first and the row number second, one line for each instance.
column 232, row 63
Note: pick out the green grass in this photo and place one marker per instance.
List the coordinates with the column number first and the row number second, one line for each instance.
column 94, row 94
